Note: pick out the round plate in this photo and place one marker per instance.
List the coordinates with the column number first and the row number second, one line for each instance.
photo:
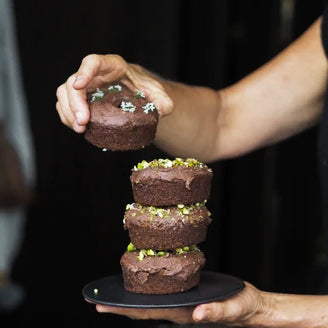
column 213, row 286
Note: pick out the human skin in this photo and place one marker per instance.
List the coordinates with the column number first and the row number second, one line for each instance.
column 250, row 308
column 280, row 99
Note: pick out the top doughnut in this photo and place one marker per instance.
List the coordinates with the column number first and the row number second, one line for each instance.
column 120, row 119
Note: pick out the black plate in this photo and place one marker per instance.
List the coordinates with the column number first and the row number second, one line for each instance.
column 213, row 286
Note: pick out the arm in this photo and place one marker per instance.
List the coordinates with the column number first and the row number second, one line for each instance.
column 251, row 308
column 280, row 99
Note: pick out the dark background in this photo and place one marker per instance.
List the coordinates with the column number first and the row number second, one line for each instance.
column 265, row 206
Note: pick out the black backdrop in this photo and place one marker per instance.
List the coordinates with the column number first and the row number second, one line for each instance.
column 265, row 206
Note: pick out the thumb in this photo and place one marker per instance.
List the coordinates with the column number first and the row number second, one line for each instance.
column 206, row 313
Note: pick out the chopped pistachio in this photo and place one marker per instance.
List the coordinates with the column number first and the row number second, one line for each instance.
column 131, row 248
column 142, row 253
column 165, row 213
column 144, row 164
column 167, row 163
column 150, row 252
column 179, row 250
column 185, row 211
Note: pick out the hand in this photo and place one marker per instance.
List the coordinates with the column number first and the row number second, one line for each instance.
column 245, row 308
column 97, row 70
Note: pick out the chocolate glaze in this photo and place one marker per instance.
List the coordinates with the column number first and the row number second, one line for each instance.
column 161, row 186
column 169, row 232
column 112, row 128
column 161, row 275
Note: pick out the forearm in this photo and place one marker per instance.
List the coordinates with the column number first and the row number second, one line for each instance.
column 280, row 99
column 189, row 130
column 301, row 311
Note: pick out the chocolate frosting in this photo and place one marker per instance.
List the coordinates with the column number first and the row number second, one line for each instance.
column 107, row 111
column 186, row 174
column 180, row 266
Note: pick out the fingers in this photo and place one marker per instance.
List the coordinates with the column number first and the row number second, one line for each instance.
column 88, row 70
column 77, row 105
column 178, row 315
column 156, row 94
column 97, row 70
column 154, row 90
column 94, row 71
column 72, row 107
column 141, row 314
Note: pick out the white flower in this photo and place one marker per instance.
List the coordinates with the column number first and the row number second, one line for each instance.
column 127, row 106
column 97, row 95
column 140, row 94
column 149, row 107
column 115, row 88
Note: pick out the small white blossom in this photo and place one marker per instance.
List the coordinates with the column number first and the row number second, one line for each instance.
column 115, row 88
column 140, row 94
column 149, row 107
column 127, row 106
column 97, row 95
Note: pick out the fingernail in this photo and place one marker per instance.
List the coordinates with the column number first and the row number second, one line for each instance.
column 79, row 117
column 199, row 315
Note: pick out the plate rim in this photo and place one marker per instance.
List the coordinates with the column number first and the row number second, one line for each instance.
column 227, row 295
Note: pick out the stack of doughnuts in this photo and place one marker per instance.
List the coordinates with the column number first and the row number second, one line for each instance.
column 165, row 224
